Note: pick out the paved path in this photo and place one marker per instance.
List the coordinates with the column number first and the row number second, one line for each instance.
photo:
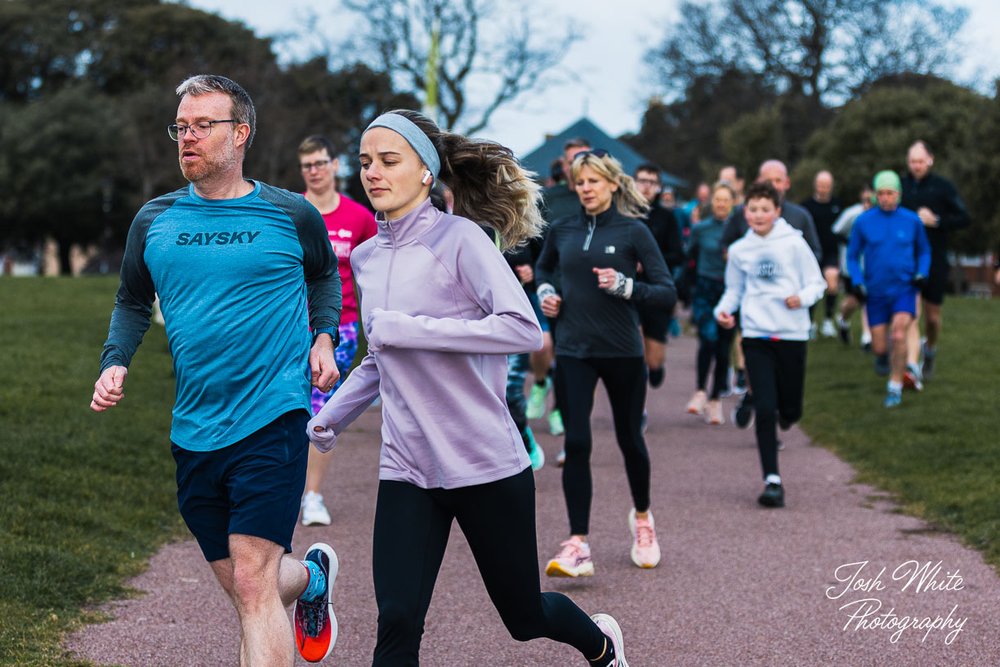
column 738, row 585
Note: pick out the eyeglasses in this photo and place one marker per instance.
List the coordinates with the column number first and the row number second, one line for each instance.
column 318, row 164
column 647, row 181
column 597, row 152
column 198, row 130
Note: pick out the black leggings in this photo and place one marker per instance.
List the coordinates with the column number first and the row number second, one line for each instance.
column 717, row 350
column 498, row 519
column 625, row 381
column 777, row 370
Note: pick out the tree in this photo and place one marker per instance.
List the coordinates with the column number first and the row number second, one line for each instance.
column 874, row 132
column 825, row 50
column 683, row 136
column 490, row 53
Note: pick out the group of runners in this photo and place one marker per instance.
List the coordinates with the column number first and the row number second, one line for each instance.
column 576, row 284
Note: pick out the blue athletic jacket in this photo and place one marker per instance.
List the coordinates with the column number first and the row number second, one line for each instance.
column 895, row 249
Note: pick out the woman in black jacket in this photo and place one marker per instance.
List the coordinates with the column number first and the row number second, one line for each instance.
column 593, row 258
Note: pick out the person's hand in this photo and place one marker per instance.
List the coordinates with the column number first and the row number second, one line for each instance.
column 927, row 217
column 726, row 320
column 108, row 389
column 525, row 273
column 323, row 364
column 793, row 302
column 919, row 281
column 551, row 305
column 606, row 278
column 320, row 434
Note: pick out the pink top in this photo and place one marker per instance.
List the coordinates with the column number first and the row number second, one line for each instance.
column 349, row 225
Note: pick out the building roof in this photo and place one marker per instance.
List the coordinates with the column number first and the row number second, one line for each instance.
column 540, row 159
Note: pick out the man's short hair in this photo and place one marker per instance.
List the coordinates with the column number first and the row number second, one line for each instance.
column 575, row 142
column 649, row 167
column 763, row 190
column 921, row 142
column 243, row 109
column 315, row 143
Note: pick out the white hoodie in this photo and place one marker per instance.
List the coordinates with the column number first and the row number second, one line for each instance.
column 761, row 272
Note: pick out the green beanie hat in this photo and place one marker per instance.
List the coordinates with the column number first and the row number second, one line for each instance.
column 887, row 180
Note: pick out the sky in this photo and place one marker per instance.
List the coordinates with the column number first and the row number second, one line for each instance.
column 604, row 71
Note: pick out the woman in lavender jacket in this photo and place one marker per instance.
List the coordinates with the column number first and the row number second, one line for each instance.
column 441, row 311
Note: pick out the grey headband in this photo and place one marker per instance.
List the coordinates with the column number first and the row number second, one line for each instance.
column 414, row 136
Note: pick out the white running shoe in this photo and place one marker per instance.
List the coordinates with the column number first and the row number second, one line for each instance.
column 609, row 626
column 314, row 512
column 696, row 405
column 828, row 330
column 645, row 548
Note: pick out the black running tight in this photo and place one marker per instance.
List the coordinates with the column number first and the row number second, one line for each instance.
column 625, row 381
column 777, row 370
column 717, row 350
column 498, row 519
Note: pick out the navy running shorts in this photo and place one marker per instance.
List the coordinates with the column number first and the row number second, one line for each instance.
column 881, row 308
column 654, row 321
column 937, row 282
column 252, row 487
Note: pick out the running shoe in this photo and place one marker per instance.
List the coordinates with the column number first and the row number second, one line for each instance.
column 561, row 458
column 573, row 560
column 713, row 413
column 556, row 423
column 927, row 370
column 656, row 376
column 609, row 626
column 844, row 330
column 740, row 387
column 892, row 399
column 743, row 415
column 696, row 405
column 535, row 453
column 536, row 399
column 911, row 378
column 882, row 365
column 866, row 341
column 314, row 512
column 827, row 330
column 645, row 548
column 773, row 496
column 315, row 622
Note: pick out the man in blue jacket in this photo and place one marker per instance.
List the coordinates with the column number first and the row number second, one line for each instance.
column 897, row 257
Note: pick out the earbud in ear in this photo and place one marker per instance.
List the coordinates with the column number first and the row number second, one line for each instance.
column 426, row 177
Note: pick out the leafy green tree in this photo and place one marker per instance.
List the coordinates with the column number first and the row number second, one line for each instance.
column 60, row 168
column 874, row 132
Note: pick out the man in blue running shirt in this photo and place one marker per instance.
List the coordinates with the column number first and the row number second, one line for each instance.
column 891, row 241
column 251, row 296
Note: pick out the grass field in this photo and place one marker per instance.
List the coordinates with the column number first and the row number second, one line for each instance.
column 88, row 498
column 939, row 452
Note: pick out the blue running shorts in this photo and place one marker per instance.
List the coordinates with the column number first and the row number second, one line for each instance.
column 882, row 307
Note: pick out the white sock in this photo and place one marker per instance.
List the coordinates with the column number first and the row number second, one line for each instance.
column 772, row 479
column 895, row 387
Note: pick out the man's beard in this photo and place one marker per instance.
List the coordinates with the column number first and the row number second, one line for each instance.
column 209, row 166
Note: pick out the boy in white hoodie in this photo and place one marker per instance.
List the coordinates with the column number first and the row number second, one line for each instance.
column 772, row 278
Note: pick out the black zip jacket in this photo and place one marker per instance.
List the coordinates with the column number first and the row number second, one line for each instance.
column 940, row 196
column 592, row 322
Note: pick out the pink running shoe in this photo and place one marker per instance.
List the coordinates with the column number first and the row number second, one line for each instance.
column 572, row 561
column 645, row 548
column 609, row 626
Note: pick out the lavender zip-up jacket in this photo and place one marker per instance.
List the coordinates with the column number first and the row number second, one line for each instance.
column 441, row 310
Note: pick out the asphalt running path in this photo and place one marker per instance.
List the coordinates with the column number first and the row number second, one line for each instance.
column 738, row 584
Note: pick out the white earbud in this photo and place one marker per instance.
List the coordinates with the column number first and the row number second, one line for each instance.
column 426, row 177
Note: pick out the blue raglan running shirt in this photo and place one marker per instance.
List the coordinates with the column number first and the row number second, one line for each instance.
column 240, row 283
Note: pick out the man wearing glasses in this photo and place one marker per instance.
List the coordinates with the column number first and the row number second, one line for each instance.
column 348, row 225
column 243, row 271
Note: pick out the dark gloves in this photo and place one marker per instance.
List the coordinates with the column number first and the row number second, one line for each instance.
column 919, row 281
column 859, row 291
